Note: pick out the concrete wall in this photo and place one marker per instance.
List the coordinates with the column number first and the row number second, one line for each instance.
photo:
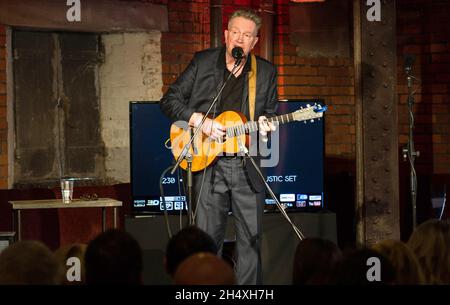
column 3, row 112
column 131, row 72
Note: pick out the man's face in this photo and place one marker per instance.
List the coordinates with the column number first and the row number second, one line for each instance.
column 241, row 33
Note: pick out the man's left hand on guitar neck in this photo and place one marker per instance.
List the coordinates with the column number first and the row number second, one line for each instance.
column 265, row 126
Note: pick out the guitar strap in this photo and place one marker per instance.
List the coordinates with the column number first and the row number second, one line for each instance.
column 252, row 88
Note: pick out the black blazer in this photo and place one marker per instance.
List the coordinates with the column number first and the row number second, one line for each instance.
column 197, row 85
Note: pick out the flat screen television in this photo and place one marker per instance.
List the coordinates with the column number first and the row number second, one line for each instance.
column 297, row 178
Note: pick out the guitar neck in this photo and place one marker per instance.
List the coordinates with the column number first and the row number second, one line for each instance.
column 252, row 126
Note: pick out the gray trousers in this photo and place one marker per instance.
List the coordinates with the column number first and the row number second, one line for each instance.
column 226, row 185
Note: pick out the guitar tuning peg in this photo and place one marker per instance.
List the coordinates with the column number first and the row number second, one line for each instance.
column 304, row 122
column 312, row 121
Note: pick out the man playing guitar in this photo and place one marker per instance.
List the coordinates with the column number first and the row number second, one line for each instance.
column 230, row 181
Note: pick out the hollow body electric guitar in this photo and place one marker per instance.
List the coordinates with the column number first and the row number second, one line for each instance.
column 205, row 150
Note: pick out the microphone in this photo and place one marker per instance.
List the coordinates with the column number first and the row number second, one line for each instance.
column 409, row 61
column 237, row 54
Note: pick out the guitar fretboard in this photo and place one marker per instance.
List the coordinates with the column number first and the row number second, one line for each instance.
column 252, row 126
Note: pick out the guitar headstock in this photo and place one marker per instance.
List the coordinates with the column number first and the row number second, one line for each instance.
column 309, row 113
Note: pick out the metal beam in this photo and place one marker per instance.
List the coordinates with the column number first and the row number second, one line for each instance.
column 379, row 145
column 95, row 16
column 216, row 16
column 266, row 31
column 357, row 61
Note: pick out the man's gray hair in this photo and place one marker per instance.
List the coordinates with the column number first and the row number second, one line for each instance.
column 247, row 14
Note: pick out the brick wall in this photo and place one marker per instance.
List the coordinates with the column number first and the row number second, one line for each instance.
column 299, row 77
column 318, row 77
column 188, row 33
column 423, row 30
column 3, row 120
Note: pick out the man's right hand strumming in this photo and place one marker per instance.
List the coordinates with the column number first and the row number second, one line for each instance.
column 210, row 128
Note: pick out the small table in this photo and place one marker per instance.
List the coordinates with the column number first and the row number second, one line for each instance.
column 103, row 203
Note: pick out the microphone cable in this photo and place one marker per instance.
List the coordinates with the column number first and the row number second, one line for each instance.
column 161, row 189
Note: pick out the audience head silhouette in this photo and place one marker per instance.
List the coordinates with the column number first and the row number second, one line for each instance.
column 186, row 242
column 113, row 257
column 314, row 261
column 204, row 269
column 29, row 263
column 404, row 261
column 430, row 241
column 364, row 267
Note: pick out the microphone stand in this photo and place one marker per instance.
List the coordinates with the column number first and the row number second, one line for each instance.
column 409, row 151
column 297, row 231
column 443, row 204
column 186, row 155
